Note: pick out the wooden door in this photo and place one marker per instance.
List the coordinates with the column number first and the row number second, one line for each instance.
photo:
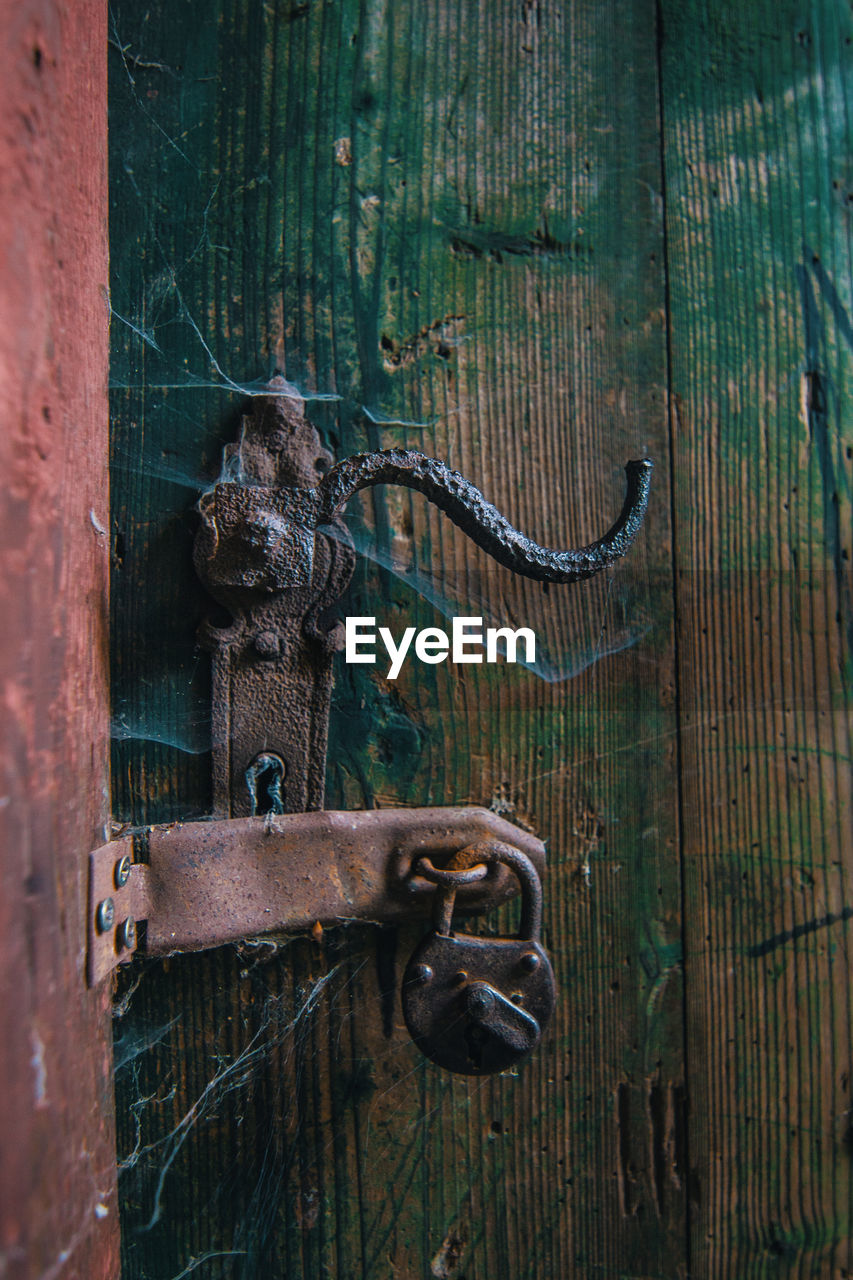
column 534, row 239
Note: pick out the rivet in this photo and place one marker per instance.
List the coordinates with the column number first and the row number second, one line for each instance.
column 481, row 1001
column 121, row 873
column 422, row 973
column 105, row 914
column 126, row 934
column 460, row 976
column 268, row 644
column 530, row 961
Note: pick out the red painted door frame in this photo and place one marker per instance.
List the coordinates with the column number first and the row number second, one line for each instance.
column 58, row 1207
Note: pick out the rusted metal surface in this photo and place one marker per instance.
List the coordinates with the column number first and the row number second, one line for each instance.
column 207, row 883
column 478, row 1005
column 489, row 854
column 258, row 554
column 483, row 523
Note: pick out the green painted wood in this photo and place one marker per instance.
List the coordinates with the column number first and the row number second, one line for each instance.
column 757, row 103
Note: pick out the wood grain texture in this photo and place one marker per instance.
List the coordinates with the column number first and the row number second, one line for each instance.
column 758, row 185
column 58, row 1205
column 449, row 219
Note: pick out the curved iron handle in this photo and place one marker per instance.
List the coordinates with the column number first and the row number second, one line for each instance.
column 465, row 505
column 272, row 550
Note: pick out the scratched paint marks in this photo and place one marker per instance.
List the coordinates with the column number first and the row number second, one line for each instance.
column 756, row 116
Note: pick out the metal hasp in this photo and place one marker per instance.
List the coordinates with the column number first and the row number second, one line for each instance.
column 201, row 884
column 273, row 550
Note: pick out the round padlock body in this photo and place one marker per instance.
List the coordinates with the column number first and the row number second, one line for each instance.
column 477, row 1005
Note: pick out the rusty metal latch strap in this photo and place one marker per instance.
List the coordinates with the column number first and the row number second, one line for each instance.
column 201, row 884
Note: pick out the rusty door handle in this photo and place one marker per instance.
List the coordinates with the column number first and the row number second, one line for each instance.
column 260, row 537
column 465, row 505
column 273, row 550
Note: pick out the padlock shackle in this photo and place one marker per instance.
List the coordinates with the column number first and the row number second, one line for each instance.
column 494, row 851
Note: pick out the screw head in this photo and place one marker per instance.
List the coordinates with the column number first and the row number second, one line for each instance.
column 530, row 961
column 121, row 873
column 126, row 934
column 105, row 914
column 422, row 973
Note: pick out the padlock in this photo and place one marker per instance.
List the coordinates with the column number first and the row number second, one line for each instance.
column 479, row 1005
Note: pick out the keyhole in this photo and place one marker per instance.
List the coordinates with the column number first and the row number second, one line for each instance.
column 477, row 1039
column 265, row 780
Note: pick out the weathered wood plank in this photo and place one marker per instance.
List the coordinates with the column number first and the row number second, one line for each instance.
column 58, row 1204
column 450, row 218
column 757, row 143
